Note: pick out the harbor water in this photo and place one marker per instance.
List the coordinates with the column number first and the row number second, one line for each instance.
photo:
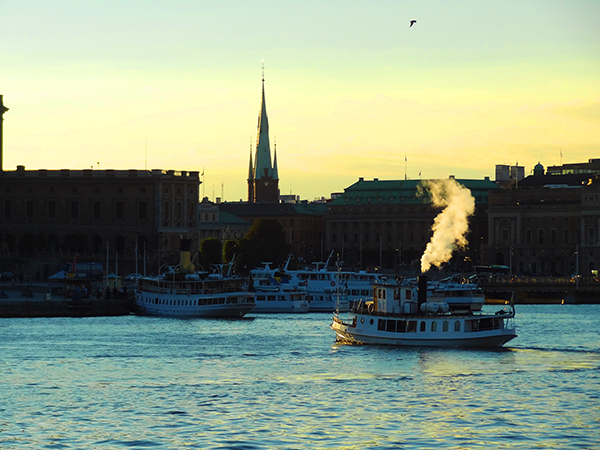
column 281, row 382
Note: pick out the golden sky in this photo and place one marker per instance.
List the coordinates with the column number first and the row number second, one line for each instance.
column 351, row 89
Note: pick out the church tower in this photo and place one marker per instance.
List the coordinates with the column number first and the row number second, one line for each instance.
column 263, row 178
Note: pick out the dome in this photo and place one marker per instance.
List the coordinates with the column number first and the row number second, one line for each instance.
column 538, row 169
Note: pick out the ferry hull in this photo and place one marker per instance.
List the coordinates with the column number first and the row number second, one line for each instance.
column 214, row 311
column 349, row 333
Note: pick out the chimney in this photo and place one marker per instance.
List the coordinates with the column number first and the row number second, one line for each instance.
column 422, row 291
column 3, row 109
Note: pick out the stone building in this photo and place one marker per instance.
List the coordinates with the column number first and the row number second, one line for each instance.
column 89, row 213
column 388, row 223
column 548, row 224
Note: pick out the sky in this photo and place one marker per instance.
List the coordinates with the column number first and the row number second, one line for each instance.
column 351, row 89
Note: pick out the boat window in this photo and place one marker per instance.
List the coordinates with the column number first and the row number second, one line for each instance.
column 445, row 325
column 282, row 298
column 270, row 298
column 457, row 325
column 381, row 325
column 408, row 294
column 401, row 326
column 411, row 326
column 434, row 326
column 371, row 321
column 391, row 325
column 423, row 327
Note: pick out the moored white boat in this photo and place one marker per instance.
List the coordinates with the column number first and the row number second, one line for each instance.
column 403, row 316
column 273, row 292
column 181, row 294
column 327, row 302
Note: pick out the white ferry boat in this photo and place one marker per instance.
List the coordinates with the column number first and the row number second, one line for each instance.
column 322, row 282
column 274, row 294
column 403, row 316
column 327, row 302
column 327, row 299
column 199, row 294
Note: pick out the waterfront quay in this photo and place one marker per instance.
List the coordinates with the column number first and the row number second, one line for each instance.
column 38, row 301
column 543, row 290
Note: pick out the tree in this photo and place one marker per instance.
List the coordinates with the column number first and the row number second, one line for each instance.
column 230, row 248
column 211, row 251
column 265, row 241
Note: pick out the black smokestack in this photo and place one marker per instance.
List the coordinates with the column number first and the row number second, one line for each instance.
column 422, row 290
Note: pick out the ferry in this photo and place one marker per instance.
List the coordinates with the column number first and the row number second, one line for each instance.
column 320, row 299
column 320, row 282
column 274, row 294
column 403, row 316
column 184, row 293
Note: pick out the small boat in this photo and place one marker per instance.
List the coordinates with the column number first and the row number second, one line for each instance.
column 402, row 315
column 273, row 292
column 182, row 292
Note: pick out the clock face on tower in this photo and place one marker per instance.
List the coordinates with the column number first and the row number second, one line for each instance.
column 266, row 182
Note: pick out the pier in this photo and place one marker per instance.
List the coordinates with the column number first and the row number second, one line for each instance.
column 543, row 289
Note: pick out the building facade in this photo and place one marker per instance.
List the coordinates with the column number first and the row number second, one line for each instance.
column 95, row 214
column 388, row 223
column 549, row 225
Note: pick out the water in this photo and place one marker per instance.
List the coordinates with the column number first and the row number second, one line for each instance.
column 280, row 382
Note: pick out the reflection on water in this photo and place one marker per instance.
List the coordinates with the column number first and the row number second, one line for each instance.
column 282, row 382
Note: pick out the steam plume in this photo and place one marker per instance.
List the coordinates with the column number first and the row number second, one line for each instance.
column 451, row 225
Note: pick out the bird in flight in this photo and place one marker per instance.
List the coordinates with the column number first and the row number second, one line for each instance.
column 412, row 22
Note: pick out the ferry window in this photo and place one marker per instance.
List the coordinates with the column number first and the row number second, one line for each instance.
column 445, row 325
column 434, row 326
column 270, row 298
column 391, row 325
column 381, row 325
column 457, row 326
column 401, row 326
column 422, row 327
column 412, row 326
column 371, row 321
column 282, row 298
column 408, row 294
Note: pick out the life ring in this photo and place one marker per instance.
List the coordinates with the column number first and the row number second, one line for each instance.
column 371, row 308
column 333, row 283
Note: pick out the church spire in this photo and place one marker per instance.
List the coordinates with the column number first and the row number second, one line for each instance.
column 275, row 174
column 262, row 158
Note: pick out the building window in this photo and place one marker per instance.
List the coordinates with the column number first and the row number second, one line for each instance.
column 142, row 210
column 74, row 209
column 8, row 209
column 528, row 236
column 51, row 209
column 29, row 209
column 119, row 207
column 540, row 236
column 97, row 210
column 119, row 189
column 74, row 189
column 97, row 190
column 591, row 235
column 143, row 190
column 504, row 236
column 166, row 210
column 566, row 236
